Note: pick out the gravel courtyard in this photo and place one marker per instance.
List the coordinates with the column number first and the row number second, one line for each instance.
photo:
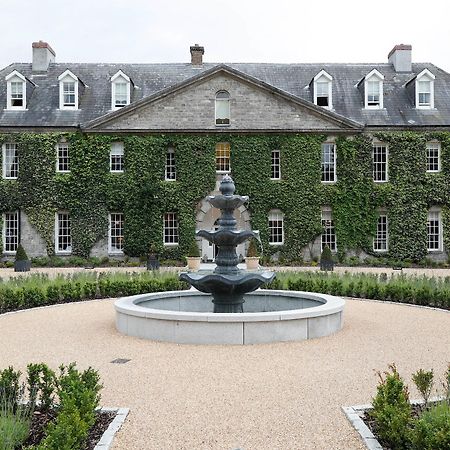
column 275, row 396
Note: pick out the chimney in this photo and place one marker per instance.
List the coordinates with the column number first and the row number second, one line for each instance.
column 43, row 55
column 197, row 55
column 400, row 58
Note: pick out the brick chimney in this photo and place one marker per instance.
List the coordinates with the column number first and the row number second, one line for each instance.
column 43, row 55
column 400, row 58
column 197, row 55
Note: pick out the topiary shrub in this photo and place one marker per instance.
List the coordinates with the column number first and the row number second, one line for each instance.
column 193, row 251
column 326, row 259
column 21, row 254
column 252, row 250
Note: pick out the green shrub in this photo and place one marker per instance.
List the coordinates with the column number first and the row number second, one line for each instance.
column 252, row 251
column 41, row 384
column 14, row 429
column 21, row 254
column 193, row 250
column 424, row 382
column 391, row 410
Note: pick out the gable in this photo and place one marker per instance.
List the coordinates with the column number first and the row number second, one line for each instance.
column 191, row 107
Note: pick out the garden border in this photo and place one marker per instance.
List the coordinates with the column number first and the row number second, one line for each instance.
column 107, row 438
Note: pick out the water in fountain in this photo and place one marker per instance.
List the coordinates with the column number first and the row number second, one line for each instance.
column 227, row 283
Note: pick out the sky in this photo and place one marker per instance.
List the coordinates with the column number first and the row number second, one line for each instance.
column 284, row 31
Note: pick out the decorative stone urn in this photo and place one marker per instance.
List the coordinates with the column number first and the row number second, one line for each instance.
column 193, row 262
column 252, row 262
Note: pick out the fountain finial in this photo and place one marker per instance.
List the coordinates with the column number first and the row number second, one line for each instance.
column 227, row 186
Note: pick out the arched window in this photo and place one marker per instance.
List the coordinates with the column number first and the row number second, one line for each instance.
column 222, row 108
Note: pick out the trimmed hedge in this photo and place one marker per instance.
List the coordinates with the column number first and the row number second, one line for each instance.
column 403, row 289
column 40, row 290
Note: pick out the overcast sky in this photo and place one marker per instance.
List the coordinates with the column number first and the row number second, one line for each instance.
column 297, row 31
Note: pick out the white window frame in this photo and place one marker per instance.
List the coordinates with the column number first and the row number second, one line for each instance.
column 385, row 146
column 170, row 166
column 373, row 76
column 275, row 164
column 67, row 77
column 226, row 99
column 434, row 145
column 275, row 215
column 4, row 160
column 223, row 168
column 171, row 218
column 323, row 173
column 432, row 214
column 379, row 238
column 16, row 236
column 120, row 77
column 324, row 77
column 58, row 160
column 113, row 250
column 325, row 238
column 425, row 75
column 15, row 77
column 117, row 149
column 57, row 229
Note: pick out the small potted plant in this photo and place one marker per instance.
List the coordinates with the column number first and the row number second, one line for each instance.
column 193, row 257
column 326, row 259
column 252, row 259
column 21, row 263
column 153, row 260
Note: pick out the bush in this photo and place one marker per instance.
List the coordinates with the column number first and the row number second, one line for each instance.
column 252, row 251
column 21, row 254
column 391, row 410
column 193, row 251
column 424, row 382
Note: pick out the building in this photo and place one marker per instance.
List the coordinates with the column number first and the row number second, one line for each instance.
column 105, row 159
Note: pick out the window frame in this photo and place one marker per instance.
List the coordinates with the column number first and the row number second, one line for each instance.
column 428, row 76
column 329, row 79
column 378, row 238
column 16, row 156
column 63, row 78
column 225, row 158
column 58, row 157
column 118, row 78
column 324, row 240
column 323, row 146
column 172, row 164
column 275, row 165
column 438, row 148
column 437, row 211
column 171, row 217
column 111, row 154
column 386, row 147
column 5, row 229
column 11, row 78
column 228, row 106
column 113, row 250
column 57, row 234
column 374, row 76
column 275, row 215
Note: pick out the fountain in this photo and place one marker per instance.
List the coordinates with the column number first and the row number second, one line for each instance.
column 187, row 317
column 227, row 283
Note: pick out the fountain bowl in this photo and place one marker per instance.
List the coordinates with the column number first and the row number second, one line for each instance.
column 186, row 317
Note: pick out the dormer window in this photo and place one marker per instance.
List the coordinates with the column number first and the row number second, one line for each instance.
column 16, row 91
column 425, row 90
column 373, row 90
column 68, row 90
column 323, row 89
column 120, row 90
column 222, row 108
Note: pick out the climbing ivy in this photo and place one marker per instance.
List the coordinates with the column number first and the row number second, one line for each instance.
column 89, row 192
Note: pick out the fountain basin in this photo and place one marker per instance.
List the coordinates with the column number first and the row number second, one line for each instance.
column 186, row 317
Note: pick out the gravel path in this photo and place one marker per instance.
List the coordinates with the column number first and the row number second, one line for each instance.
column 276, row 396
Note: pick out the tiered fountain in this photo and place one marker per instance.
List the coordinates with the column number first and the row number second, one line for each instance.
column 187, row 316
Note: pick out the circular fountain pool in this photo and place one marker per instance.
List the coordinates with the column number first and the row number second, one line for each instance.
column 186, row 317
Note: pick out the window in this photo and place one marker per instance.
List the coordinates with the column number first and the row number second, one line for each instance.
column 16, row 91
column 380, row 241
column 433, row 157
column 170, row 229
column 63, row 239
column 323, row 89
column 120, row 90
column 275, row 165
column 276, row 229
column 68, row 90
column 62, row 161
column 116, row 161
column 10, row 231
column 328, row 163
column 380, row 163
column 223, row 157
column 373, row 89
column 115, row 245
column 223, row 108
column 425, row 90
column 170, row 170
column 10, row 161
column 328, row 232
column 434, row 230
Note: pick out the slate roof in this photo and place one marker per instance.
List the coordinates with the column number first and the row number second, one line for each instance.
column 294, row 79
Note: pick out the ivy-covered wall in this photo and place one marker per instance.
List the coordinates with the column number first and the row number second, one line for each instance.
column 89, row 192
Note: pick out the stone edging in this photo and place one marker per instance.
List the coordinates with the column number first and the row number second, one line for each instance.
column 106, row 440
